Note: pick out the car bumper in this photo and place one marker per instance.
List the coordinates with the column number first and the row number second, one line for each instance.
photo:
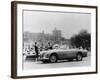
column 43, row 58
column 85, row 55
column 30, row 56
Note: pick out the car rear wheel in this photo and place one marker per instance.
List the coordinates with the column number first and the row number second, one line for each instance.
column 79, row 57
column 53, row 58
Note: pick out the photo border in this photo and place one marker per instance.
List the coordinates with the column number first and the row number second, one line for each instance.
column 14, row 37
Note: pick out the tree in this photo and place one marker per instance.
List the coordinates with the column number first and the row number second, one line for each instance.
column 82, row 39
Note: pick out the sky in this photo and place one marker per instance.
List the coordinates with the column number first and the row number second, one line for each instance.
column 69, row 23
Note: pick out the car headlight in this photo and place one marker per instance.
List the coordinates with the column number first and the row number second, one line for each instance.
column 47, row 55
column 42, row 54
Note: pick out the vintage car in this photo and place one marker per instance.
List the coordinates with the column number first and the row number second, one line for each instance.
column 59, row 54
column 29, row 53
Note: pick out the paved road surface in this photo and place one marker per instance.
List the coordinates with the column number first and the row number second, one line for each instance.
column 31, row 64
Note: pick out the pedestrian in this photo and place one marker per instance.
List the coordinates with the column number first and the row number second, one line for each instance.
column 36, row 51
column 49, row 46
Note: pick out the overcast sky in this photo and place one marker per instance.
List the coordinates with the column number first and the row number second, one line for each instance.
column 68, row 23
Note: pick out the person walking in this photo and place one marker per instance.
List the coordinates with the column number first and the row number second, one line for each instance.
column 36, row 51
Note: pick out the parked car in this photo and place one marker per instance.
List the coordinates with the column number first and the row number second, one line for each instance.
column 60, row 54
column 29, row 53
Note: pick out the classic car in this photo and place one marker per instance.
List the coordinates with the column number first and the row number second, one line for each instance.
column 59, row 54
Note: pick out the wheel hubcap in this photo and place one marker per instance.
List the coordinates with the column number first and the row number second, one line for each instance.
column 53, row 59
column 79, row 57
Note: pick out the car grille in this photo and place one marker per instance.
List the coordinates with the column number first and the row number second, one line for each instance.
column 41, row 55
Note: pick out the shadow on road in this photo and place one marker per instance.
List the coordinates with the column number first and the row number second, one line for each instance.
column 59, row 61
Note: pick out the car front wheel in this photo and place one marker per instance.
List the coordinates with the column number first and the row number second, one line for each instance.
column 79, row 57
column 53, row 58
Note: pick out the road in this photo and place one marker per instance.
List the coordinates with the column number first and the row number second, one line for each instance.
column 32, row 64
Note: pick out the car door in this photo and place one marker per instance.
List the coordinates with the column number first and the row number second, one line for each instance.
column 60, row 54
column 66, row 53
column 69, row 54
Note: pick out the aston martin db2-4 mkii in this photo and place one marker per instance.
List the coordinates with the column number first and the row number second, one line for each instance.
column 59, row 54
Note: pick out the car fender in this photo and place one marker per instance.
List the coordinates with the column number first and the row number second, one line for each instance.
column 54, row 53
